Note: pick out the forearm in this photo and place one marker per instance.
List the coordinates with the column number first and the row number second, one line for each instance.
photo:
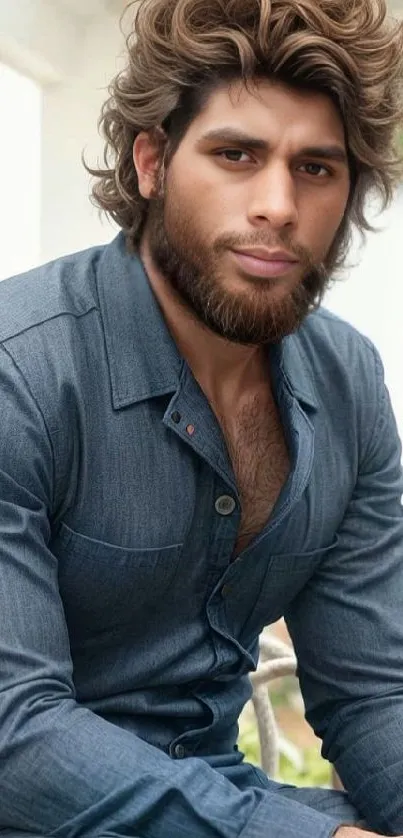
column 355, row 832
column 70, row 772
column 365, row 742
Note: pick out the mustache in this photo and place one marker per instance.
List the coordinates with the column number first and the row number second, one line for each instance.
column 297, row 251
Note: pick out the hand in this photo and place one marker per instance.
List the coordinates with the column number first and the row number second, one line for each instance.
column 356, row 832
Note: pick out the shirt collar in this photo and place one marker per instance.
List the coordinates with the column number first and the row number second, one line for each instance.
column 294, row 366
column 144, row 361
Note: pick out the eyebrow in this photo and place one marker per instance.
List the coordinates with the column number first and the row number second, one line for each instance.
column 233, row 135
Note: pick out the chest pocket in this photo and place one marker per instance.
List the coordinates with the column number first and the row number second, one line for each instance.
column 104, row 586
column 270, row 591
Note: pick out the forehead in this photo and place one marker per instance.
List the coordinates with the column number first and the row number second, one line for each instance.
column 273, row 112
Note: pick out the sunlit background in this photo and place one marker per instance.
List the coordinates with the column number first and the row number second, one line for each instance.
column 20, row 152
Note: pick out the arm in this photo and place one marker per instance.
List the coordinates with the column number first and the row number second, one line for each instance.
column 63, row 769
column 355, row 832
column 347, row 627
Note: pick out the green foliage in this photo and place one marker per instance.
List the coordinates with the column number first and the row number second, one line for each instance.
column 249, row 744
column 315, row 772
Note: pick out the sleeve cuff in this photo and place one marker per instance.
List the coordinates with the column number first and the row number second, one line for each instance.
column 281, row 817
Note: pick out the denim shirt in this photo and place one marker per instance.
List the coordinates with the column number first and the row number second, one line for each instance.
column 127, row 631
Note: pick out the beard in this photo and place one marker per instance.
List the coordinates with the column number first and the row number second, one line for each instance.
column 254, row 316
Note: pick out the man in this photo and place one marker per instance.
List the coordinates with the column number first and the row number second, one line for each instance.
column 190, row 450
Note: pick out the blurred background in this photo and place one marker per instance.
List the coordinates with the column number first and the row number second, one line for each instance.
column 56, row 60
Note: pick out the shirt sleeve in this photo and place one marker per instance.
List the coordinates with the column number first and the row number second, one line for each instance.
column 64, row 770
column 347, row 628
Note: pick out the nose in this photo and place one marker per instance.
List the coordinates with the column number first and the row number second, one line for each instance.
column 273, row 201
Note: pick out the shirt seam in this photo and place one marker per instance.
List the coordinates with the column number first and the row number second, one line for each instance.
column 380, row 402
column 40, row 411
column 37, row 324
column 262, row 815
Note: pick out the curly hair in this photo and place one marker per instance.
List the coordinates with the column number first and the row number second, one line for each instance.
column 179, row 50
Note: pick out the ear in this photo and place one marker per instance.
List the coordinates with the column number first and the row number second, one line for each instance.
column 147, row 156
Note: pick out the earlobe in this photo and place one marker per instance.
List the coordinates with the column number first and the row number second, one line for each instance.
column 147, row 153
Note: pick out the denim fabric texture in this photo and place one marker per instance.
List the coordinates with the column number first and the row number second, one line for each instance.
column 126, row 631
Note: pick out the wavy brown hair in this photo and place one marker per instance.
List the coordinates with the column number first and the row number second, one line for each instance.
column 180, row 50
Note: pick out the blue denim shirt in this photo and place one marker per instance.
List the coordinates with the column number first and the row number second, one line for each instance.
column 126, row 631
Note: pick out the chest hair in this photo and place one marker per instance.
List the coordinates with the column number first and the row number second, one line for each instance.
column 260, row 460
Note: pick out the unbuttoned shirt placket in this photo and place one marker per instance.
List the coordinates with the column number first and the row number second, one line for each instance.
column 190, row 417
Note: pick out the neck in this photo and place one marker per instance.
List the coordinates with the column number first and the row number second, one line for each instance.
column 224, row 369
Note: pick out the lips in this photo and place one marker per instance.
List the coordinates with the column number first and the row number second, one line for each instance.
column 268, row 255
column 264, row 263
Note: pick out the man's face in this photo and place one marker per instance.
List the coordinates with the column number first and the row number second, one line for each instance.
column 249, row 207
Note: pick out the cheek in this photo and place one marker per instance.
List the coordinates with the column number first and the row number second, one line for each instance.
column 322, row 223
column 195, row 206
column 202, row 191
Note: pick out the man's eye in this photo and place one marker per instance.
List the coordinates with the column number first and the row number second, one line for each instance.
column 234, row 155
column 316, row 169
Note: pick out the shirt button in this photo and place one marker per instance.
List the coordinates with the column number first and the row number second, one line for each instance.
column 179, row 751
column 176, row 417
column 225, row 505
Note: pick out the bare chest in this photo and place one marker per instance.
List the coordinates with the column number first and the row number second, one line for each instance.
column 260, row 460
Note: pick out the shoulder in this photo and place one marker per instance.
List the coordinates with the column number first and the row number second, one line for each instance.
column 49, row 336
column 62, row 288
column 339, row 356
column 334, row 333
column 342, row 372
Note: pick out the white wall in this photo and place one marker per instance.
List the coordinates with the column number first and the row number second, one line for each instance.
column 20, row 141
column 39, row 38
column 73, row 58
column 70, row 115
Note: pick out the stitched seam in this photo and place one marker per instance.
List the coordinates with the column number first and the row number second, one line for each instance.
column 39, row 409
